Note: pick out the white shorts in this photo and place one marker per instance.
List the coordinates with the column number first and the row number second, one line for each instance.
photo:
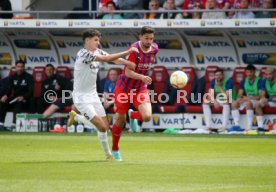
column 243, row 105
column 89, row 106
column 271, row 104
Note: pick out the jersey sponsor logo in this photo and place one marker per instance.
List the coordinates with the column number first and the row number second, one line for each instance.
column 172, row 59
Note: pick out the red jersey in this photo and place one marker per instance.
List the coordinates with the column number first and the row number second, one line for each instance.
column 143, row 61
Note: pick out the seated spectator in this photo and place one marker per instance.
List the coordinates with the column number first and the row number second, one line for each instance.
column 111, row 6
column 196, row 15
column 5, row 5
column 109, row 86
column 54, row 83
column 267, row 4
column 19, row 95
column 61, row 103
column 212, row 5
column 243, row 14
column 153, row 6
column 131, row 5
column 170, row 5
column 229, row 14
column 189, row 5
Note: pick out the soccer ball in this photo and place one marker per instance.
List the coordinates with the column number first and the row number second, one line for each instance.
column 178, row 79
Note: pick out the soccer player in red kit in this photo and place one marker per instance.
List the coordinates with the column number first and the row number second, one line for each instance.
column 131, row 87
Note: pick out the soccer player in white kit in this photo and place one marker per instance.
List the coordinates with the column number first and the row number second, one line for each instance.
column 85, row 95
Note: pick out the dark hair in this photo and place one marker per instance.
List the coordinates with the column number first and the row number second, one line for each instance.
column 89, row 33
column 146, row 29
column 111, row 2
column 19, row 62
column 50, row 65
column 250, row 67
column 219, row 70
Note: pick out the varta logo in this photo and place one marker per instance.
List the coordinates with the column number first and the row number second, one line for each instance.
column 22, row 57
column 241, row 43
column 104, row 44
column 200, row 59
column 156, row 120
column 195, row 43
column 261, row 43
column 176, row 59
column 66, row 59
column 220, row 59
column 61, row 44
column 120, row 44
column 74, row 44
column 40, row 59
column 215, row 44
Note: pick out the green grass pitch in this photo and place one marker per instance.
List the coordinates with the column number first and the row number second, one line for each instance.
column 152, row 163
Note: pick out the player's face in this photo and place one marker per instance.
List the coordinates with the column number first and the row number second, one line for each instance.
column 20, row 68
column 270, row 76
column 49, row 71
column 93, row 42
column 250, row 74
column 219, row 76
column 147, row 40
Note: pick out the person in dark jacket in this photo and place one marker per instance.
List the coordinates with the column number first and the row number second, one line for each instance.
column 52, row 88
column 4, row 91
column 20, row 92
column 5, row 5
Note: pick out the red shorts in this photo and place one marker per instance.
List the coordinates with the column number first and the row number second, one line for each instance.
column 123, row 99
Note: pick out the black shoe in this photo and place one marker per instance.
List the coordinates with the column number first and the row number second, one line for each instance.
column 260, row 129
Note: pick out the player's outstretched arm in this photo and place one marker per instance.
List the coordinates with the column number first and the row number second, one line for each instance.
column 127, row 63
column 132, row 74
column 112, row 57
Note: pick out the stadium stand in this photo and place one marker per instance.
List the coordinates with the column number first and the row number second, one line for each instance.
column 64, row 72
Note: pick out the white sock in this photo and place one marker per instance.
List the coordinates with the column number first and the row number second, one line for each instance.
column 260, row 121
column 225, row 115
column 236, row 117
column 208, row 115
column 82, row 119
column 250, row 115
column 102, row 136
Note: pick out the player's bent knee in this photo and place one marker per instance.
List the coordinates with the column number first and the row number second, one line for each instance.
column 146, row 118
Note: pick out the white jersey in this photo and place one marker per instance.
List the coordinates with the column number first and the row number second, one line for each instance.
column 85, row 71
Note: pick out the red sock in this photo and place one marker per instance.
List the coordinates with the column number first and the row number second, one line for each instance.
column 116, row 134
column 136, row 115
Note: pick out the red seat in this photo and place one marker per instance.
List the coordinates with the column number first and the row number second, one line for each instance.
column 208, row 77
column 238, row 76
column 38, row 75
column 262, row 73
column 64, row 72
column 67, row 109
column 190, row 71
column 159, row 76
column 12, row 71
